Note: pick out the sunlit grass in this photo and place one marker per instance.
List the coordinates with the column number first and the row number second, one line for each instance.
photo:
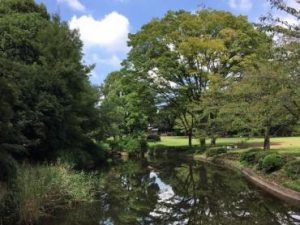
column 283, row 145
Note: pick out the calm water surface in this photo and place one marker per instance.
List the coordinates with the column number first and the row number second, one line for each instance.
column 178, row 192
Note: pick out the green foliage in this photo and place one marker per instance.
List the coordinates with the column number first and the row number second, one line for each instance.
column 249, row 157
column 260, row 157
column 177, row 55
column 8, row 167
column 254, row 157
column 41, row 189
column 293, row 184
column 47, row 103
column 273, row 162
column 153, row 138
column 135, row 145
column 293, row 169
column 116, row 145
column 91, row 157
column 215, row 151
column 128, row 105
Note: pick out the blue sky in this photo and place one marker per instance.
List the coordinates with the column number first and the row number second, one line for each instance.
column 105, row 24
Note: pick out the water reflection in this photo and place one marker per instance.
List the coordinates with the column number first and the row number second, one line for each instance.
column 173, row 192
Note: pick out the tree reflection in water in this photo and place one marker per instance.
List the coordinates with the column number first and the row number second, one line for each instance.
column 177, row 192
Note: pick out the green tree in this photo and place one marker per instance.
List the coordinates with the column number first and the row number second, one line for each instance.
column 128, row 105
column 181, row 53
column 49, row 105
column 287, row 50
column 255, row 102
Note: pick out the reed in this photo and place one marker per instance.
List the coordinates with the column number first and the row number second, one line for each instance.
column 40, row 190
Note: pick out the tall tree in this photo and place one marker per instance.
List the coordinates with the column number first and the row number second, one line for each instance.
column 287, row 36
column 50, row 103
column 255, row 102
column 127, row 104
column 181, row 53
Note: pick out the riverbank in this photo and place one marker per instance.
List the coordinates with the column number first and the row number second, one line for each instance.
column 270, row 184
column 284, row 148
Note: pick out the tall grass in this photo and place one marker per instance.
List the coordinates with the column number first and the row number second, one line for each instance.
column 40, row 190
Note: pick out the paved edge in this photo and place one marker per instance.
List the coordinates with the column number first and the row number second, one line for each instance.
column 275, row 189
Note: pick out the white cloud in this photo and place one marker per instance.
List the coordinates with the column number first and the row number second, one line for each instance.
column 242, row 5
column 110, row 33
column 74, row 4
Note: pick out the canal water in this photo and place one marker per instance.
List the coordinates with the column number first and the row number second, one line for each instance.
column 175, row 191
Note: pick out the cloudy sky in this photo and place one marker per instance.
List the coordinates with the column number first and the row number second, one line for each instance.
column 104, row 24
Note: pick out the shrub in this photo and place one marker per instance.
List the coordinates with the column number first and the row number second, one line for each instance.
column 215, row 151
column 106, row 147
column 8, row 167
column 116, row 145
column 260, row 157
column 293, row 169
column 153, row 138
column 272, row 162
column 136, row 145
column 249, row 156
column 254, row 156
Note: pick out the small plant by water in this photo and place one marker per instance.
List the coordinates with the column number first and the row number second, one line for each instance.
column 40, row 190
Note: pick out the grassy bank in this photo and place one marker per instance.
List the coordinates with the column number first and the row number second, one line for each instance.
column 283, row 145
column 271, row 166
column 40, row 190
column 286, row 147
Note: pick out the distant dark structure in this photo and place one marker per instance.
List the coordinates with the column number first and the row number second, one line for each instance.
column 153, row 134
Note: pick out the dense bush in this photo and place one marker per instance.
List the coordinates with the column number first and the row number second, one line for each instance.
column 116, row 145
column 153, row 137
column 8, row 167
column 254, row 156
column 215, row 151
column 293, row 169
column 249, row 156
column 135, row 145
column 260, row 157
column 93, row 156
column 272, row 162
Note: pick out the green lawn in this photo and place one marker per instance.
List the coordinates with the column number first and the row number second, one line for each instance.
column 284, row 145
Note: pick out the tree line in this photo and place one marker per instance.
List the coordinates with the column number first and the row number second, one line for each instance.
column 207, row 73
column 210, row 74
column 48, row 107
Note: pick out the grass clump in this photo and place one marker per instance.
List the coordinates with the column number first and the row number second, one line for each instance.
column 293, row 169
column 293, row 184
column 39, row 190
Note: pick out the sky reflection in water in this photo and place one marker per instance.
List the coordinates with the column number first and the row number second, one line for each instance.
column 177, row 192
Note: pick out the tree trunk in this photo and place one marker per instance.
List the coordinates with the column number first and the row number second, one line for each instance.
column 202, row 143
column 213, row 140
column 190, row 134
column 267, row 138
